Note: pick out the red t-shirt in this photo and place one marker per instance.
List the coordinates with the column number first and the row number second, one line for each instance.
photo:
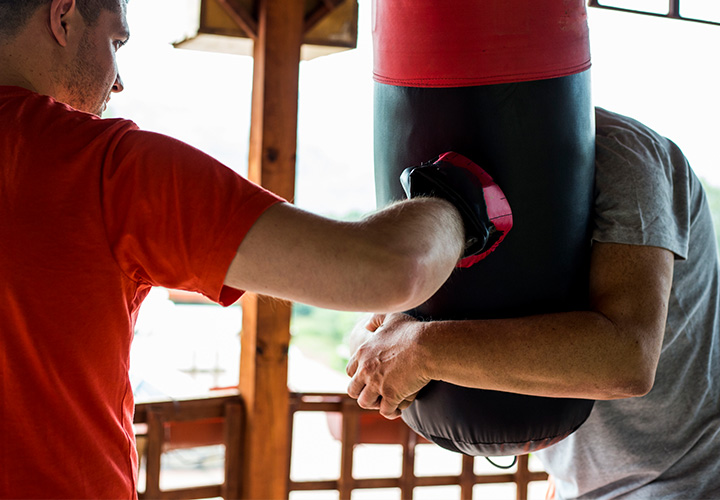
column 93, row 213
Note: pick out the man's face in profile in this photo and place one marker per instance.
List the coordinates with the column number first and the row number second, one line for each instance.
column 92, row 75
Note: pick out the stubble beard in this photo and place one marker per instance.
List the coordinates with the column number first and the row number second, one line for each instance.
column 84, row 83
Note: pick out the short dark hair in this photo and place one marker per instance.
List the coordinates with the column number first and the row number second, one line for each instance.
column 14, row 14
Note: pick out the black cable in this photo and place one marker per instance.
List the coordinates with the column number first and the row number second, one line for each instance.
column 503, row 466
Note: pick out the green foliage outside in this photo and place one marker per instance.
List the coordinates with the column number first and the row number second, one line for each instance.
column 320, row 334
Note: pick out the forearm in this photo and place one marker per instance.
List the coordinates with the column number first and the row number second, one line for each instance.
column 391, row 261
column 424, row 238
column 610, row 351
column 575, row 354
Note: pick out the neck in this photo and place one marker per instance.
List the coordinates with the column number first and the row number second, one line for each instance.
column 17, row 82
column 10, row 73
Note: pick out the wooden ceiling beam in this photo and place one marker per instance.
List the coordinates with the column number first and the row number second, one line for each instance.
column 241, row 16
column 323, row 9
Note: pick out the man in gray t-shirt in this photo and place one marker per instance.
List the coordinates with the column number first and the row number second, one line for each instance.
column 648, row 349
column 665, row 444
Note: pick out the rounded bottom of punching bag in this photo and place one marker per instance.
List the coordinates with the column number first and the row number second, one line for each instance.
column 489, row 423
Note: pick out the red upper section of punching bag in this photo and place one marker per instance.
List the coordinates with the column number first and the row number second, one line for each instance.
column 459, row 43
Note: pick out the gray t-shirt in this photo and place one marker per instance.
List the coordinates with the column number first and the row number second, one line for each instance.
column 667, row 443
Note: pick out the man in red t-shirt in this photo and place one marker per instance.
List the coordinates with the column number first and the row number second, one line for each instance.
column 95, row 212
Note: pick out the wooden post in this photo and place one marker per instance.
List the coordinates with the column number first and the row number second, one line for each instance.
column 233, row 450
column 407, row 479
column 467, row 477
column 350, row 432
column 266, row 332
column 156, row 433
column 522, row 477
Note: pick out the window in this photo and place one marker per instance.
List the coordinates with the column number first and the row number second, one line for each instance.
column 700, row 11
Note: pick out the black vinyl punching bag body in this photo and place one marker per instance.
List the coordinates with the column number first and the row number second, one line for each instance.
column 528, row 123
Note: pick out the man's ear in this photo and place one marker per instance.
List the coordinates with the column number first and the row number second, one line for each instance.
column 63, row 18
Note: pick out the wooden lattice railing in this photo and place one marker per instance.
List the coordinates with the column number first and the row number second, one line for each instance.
column 169, row 425
column 359, row 426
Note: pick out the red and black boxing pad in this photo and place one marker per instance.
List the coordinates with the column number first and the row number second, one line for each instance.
column 485, row 211
column 506, row 84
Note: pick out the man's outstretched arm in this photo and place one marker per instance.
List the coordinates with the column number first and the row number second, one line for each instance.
column 393, row 260
column 608, row 352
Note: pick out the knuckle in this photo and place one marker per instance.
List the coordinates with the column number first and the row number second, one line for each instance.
column 363, row 403
column 354, row 389
column 389, row 414
column 390, row 394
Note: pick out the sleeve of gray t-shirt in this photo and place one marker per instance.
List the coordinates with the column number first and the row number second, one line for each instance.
column 640, row 199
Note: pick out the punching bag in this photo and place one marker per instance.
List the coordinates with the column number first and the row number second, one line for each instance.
column 506, row 84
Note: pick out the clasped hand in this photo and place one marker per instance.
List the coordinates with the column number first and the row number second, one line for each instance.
column 389, row 365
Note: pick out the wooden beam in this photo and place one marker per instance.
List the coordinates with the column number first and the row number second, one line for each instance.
column 241, row 16
column 276, row 69
column 467, row 477
column 407, row 478
column 266, row 322
column 350, row 430
column 234, row 423
column 263, row 385
column 156, row 432
column 323, row 9
column 522, row 477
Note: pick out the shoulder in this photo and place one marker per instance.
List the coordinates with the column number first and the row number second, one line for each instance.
column 643, row 185
column 44, row 113
column 628, row 141
column 48, row 132
column 627, row 151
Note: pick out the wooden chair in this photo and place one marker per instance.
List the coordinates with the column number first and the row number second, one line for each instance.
column 170, row 425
